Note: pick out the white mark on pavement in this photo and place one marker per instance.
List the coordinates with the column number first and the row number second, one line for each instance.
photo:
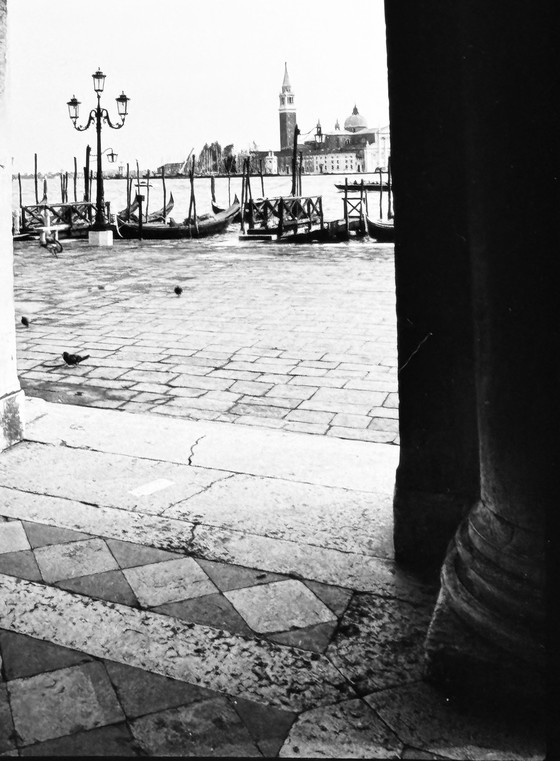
column 151, row 487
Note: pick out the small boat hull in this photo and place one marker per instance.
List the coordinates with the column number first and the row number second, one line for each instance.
column 382, row 230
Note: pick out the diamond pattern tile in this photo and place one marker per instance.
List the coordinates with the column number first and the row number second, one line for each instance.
column 279, row 606
column 169, row 581
column 68, row 561
column 13, row 537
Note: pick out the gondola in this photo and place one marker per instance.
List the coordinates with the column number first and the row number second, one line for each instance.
column 163, row 213
column 358, row 186
column 218, row 209
column 204, row 226
column 382, row 230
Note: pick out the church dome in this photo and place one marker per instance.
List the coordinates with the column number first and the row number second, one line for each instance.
column 355, row 121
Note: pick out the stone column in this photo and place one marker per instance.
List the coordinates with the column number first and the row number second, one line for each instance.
column 488, row 629
column 437, row 479
column 11, row 396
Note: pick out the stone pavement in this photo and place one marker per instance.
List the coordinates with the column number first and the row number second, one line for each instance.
column 294, row 338
column 174, row 587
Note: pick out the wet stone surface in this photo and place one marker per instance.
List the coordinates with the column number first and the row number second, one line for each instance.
column 280, row 325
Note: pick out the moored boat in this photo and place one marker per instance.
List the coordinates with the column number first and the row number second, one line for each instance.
column 382, row 230
column 201, row 227
column 358, row 185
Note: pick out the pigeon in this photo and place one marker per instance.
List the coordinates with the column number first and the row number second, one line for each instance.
column 25, row 321
column 178, row 290
column 73, row 359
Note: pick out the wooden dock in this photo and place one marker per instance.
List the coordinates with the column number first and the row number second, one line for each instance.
column 71, row 219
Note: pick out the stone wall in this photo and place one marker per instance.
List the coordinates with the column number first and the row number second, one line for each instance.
column 11, row 397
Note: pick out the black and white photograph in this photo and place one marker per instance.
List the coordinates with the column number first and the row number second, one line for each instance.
column 278, row 385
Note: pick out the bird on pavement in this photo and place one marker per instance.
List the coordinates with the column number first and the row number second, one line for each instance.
column 73, row 359
column 25, row 321
column 178, row 290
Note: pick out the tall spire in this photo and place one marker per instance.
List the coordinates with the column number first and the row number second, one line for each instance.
column 287, row 112
column 286, row 86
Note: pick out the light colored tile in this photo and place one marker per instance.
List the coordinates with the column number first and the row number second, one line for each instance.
column 61, row 702
column 13, row 537
column 279, row 606
column 73, row 559
column 205, row 656
column 168, row 581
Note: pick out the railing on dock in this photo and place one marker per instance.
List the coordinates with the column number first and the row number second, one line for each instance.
column 73, row 216
column 283, row 214
column 355, row 207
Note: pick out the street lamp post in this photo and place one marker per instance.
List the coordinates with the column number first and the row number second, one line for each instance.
column 100, row 233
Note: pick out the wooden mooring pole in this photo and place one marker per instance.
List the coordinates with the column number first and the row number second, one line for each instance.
column 36, row 181
column 75, row 180
column 164, row 195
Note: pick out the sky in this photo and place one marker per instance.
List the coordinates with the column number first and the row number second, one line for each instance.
column 195, row 71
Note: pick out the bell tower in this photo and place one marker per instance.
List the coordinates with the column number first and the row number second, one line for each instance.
column 287, row 112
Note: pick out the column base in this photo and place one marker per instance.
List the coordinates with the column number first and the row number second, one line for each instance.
column 11, row 419
column 467, row 666
column 100, row 237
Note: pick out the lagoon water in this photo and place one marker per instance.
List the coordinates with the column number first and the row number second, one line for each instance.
column 115, row 192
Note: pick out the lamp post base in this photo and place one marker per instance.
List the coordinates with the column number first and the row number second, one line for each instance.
column 100, row 237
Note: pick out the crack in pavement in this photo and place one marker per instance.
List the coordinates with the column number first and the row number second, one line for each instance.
column 191, row 454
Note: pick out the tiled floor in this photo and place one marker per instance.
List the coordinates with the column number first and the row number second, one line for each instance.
column 129, row 626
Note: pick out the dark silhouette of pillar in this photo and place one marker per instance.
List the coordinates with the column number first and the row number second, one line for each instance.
column 489, row 625
column 471, row 96
column 437, row 478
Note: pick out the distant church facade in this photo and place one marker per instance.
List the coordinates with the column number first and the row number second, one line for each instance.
column 355, row 148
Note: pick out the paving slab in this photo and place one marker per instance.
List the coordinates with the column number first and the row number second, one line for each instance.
column 203, row 729
column 118, row 481
column 293, row 456
column 56, row 703
column 349, row 729
column 428, row 720
column 352, row 521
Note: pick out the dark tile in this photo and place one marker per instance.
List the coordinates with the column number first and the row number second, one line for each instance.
column 315, row 638
column 336, row 598
column 142, row 692
column 227, row 577
column 108, row 585
column 59, row 703
column 40, row 535
column 413, row 754
column 211, row 610
column 380, row 642
column 7, row 732
column 113, row 740
column 268, row 726
column 210, row 728
column 128, row 554
column 21, row 564
column 25, row 656
column 425, row 718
